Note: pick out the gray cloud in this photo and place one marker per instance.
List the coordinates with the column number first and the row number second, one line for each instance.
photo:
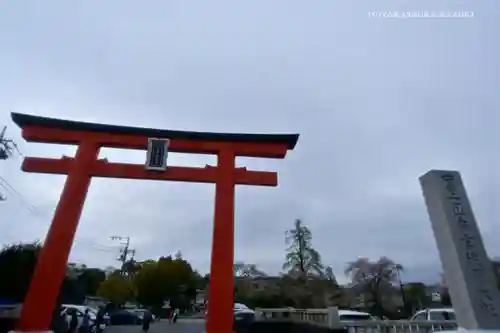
column 377, row 102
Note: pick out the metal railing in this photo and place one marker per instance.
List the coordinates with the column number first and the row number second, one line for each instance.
column 330, row 318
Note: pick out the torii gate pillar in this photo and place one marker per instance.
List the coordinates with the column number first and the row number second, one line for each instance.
column 36, row 313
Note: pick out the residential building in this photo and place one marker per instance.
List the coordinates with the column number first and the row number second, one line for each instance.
column 257, row 284
column 201, row 297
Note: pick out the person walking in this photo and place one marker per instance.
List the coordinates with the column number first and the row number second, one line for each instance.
column 99, row 319
column 73, row 322
column 59, row 321
column 170, row 315
column 175, row 315
column 85, row 327
column 146, row 321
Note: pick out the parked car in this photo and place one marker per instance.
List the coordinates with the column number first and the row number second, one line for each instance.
column 240, row 306
column 443, row 314
column 236, row 308
column 68, row 309
column 142, row 312
column 125, row 317
column 243, row 317
column 244, row 314
column 349, row 315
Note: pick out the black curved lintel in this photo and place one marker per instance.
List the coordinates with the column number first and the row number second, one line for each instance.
column 22, row 120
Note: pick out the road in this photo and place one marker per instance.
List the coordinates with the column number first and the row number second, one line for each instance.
column 182, row 326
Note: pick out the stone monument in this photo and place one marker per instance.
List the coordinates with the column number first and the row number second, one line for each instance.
column 467, row 268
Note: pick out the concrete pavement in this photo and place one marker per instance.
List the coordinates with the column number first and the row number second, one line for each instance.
column 183, row 325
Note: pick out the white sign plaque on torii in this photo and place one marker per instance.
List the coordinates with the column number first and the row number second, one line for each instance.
column 157, row 154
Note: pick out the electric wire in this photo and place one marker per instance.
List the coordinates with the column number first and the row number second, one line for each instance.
column 10, row 189
column 9, row 145
column 34, row 211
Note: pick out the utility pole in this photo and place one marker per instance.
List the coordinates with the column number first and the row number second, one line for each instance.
column 124, row 252
column 132, row 254
column 401, row 288
column 7, row 146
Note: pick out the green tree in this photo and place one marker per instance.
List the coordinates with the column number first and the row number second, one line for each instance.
column 416, row 296
column 90, row 279
column 330, row 276
column 166, row 279
column 203, row 284
column 17, row 264
column 130, row 268
column 180, row 288
column 117, row 289
column 302, row 260
column 149, row 282
column 331, row 290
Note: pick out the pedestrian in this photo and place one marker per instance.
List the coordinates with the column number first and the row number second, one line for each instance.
column 170, row 315
column 85, row 326
column 73, row 322
column 146, row 321
column 99, row 319
column 59, row 321
column 175, row 315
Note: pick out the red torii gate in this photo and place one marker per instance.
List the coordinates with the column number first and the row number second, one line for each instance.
column 37, row 309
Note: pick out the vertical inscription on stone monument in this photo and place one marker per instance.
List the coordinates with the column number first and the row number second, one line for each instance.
column 468, row 271
column 470, row 245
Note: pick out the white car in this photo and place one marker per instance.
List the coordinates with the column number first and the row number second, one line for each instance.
column 243, row 315
column 237, row 308
column 242, row 308
column 444, row 314
column 348, row 315
column 68, row 309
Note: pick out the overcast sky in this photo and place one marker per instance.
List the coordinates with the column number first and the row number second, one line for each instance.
column 377, row 103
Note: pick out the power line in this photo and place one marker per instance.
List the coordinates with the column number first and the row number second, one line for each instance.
column 10, row 189
column 33, row 210
column 7, row 149
column 96, row 246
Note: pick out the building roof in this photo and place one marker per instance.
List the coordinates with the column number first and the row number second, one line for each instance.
column 22, row 120
column 257, row 278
